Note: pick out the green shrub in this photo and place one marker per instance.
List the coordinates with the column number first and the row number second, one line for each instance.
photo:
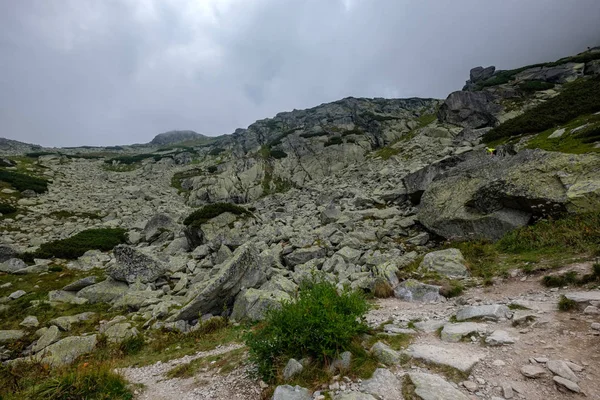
column 313, row 134
column 216, row 151
column 75, row 246
column 565, row 304
column 199, row 217
column 7, row 209
column 278, row 154
column 578, row 98
column 134, row 159
column 319, row 324
column 212, row 169
column 578, row 233
column 132, row 345
column 568, row 278
column 23, row 182
column 535, row 86
column 589, row 134
column 91, row 383
column 334, row 141
column 37, row 154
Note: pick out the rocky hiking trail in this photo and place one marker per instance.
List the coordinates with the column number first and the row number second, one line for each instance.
column 532, row 342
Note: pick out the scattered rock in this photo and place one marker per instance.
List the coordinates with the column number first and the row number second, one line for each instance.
column 133, row 266
column 434, row 387
column 450, row 357
column 383, row 384
column 499, row 338
column 492, row 312
column 385, row 354
column 448, row 262
column 292, row 368
column 287, row 392
column 533, row 371
column 566, row 383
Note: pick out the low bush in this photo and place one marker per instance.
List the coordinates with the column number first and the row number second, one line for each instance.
column 565, row 279
column 134, row 159
column 565, row 304
column 199, row 217
column 211, row 169
column 579, row 233
column 535, row 86
column 320, row 324
column 452, row 289
column 334, row 141
column 132, row 345
column 578, row 98
column 7, row 209
column 382, row 289
column 23, row 182
column 278, row 154
column 589, row 134
column 75, row 246
column 216, row 151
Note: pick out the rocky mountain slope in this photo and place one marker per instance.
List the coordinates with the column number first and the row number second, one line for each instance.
column 395, row 198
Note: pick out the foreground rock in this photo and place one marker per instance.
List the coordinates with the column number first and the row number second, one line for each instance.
column 253, row 304
column 492, row 312
column 134, row 266
column 242, row 270
column 67, row 350
column 383, row 384
column 448, row 262
column 434, row 387
column 287, row 392
column 450, row 357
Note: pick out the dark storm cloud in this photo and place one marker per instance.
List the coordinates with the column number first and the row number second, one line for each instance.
column 77, row 72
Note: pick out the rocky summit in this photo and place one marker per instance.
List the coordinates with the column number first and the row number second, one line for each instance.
column 467, row 226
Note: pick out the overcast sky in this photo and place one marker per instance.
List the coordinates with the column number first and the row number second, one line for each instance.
column 105, row 72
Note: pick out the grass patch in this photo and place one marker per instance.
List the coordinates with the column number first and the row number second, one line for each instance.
column 23, row 182
column 334, row 141
column 75, row 246
column 34, row 381
column 452, row 289
column 222, row 364
column 572, row 141
column 201, row 216
column 64, row 214
column 387, row 152
column 572, row 278
column 565, row 304
column 319, row 325
column 577, row 98
column 535, row 86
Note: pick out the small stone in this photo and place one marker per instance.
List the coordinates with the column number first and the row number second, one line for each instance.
column 470, row 386
column 499, row 338
column 541, row 360
column 533, row 371
column 507, row 391
column 561, row 368
column 498, row 363
column 17, row 294
column 292, row 368
column 596, row 326
column 572, row 386
column 30, row 322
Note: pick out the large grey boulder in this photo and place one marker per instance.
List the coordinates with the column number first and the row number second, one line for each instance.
column 385, row 354
column 447, row 262
column 67, row 350
column 157, row 225
column 480, row 74
column 492, row 312
column 253, row 304
column 80, row 284
column 434, row 387
column 133, row 265
column 12, row 265
column 470, row 109
column 558, row 74
column 287, row 392
column 485, row 197
column 383, row 384
column 304, row 255
column 242, row 270
column 7, row 252
column 106, row 291
column 454, row 333
column 413, row 290
column 9, row 336
column 292, row 368
column 445, row 356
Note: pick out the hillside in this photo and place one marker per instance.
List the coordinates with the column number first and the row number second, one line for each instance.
column 405, row 259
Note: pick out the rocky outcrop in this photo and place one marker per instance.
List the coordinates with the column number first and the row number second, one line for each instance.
column 135, row 266
column 559, row 74
column 486, row 197
column 241, row 271
column 470, row 109
column 172, row 137
column 253, row 304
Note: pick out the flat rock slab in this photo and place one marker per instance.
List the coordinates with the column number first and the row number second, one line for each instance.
column 583, row 297
column 287, row 392
column 430, row 326
column 490, row 312
column 499, row 338
column 356, row 396
column 453, row 333
column 9, row 336
column 383, row 384
column 572, row 386
column 562, row 369
column 67, row 350
column 434, row 387
column 451, row 357
column 533, row 371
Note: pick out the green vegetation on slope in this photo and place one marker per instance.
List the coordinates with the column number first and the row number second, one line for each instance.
column 578, row 98
column 579, row 136
column 75, row 246
column 320, row 324
column 23, row 182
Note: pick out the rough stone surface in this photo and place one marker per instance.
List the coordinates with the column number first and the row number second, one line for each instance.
column 566, row 383
column 413, row 290
column 135, row 266
column 489, row 312
column 12, row 265
column 499, row 338
column 434, row 387
column 448, row 262
column 383, row 384
column 447, row 356
column 292, row 368
column 65, row 351
column 106, row 291
column 454, row 333
column 9, row 336
column 80, row 284
column 287, row 392
column 253, row 304
column 533, row 371
column 560, row 368
column 385, row 354
column 51, row 335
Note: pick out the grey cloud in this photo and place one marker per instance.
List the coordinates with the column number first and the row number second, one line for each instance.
column 84, row 72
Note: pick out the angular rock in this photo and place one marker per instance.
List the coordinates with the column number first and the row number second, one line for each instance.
column 133, row 300
column 448, row 262
column 584, row 298
column 454, row 333
column 499, row 338
column 385, row 354
column 118, row 332
column 67, row 350
column 17, row 294
column 80, row 284
column 30, row 322
column 383, row 384
column 492, row 312
column 292, row 368
column 434, row 387
column 450, row 357
column 51, row 335
column 287, row 392
column 253, row 304
column 157, row 225
column 413, row 290
column 566, row 383
column 106, row 291
column 349, row 254
column 6, row 253
column 561, row 368
column 533, row 371
column 470, row 109
column 9, row 336
column 242, row 270
column 353, row 396
column 65, row 322
column 61, row 296
column 304, row 255
column 12, row 265
column 133, row 265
